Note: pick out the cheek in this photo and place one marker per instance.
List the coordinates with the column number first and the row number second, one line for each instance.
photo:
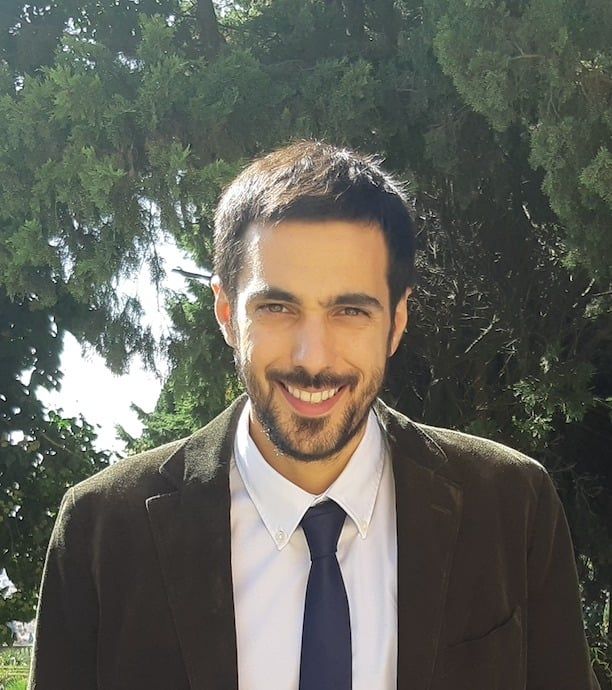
column 261, row 345
column 364, row 353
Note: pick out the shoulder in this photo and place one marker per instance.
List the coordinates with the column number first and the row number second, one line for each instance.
column 492, row 472
column 165, row 469
column 110, row 507
column 478, row 464
column 513, row 490
column 129, row 480
column 481, row 455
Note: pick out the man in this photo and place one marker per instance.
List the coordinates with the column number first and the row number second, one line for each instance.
column 310, row 537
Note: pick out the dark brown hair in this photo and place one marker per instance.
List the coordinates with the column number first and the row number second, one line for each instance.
column 312, row 180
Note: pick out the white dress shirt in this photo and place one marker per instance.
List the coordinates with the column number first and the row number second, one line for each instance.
column 271, row 562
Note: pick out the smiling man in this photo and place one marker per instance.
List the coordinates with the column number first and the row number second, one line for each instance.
column 312, row 336
column 310, row 537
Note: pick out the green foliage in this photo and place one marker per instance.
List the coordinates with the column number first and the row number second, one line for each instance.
column 14, row 667
column 545, row 66
column 562, row 388
column 17, row 684
column 597, row 176
column 41, row 453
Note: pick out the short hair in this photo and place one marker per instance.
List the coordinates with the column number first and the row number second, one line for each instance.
column 313, row 180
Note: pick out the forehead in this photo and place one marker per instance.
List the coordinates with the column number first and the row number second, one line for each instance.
column 317, row 259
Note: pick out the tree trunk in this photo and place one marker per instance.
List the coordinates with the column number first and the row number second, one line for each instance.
column 211, row 38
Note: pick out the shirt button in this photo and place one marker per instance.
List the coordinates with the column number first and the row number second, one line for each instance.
column 280, row 536
column 363, row 525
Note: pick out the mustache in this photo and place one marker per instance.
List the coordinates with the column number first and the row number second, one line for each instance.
column 300, row 378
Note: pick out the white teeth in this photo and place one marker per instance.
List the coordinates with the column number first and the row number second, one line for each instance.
column 313, row 398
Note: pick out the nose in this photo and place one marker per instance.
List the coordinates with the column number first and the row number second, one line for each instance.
column 313, row 349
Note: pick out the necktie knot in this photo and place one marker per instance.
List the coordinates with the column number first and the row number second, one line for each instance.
column 322, row 525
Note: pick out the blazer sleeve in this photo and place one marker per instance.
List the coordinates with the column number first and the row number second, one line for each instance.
column 64, row 653
column 557, row 654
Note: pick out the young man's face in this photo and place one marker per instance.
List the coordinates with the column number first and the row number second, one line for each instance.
column 312, row 331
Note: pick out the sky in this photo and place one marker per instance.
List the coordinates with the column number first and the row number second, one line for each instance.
column 91, row 389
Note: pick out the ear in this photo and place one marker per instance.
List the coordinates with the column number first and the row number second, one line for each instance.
column 400, row 322
column 223, row 310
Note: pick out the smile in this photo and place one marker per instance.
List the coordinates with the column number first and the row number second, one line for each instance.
column 310, row 397
column 309, row 403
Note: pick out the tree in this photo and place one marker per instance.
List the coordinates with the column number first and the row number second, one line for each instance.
column 546, row 66
column 42, row 453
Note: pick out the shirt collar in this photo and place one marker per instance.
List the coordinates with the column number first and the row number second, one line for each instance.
column 281, row 504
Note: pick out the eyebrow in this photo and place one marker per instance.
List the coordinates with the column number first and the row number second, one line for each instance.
column 353, row 299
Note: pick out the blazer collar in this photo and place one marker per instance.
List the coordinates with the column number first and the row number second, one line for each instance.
column 191, row 528
column 205, row 455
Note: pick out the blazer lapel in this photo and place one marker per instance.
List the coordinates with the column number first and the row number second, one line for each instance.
column 191, row 528
column 428, row 515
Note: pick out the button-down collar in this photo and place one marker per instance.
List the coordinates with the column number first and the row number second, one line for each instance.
column 281, row 504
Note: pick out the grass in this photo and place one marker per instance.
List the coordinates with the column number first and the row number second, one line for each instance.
column 14, row 668
column 15, row 684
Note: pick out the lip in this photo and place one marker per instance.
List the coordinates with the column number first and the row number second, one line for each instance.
column 306, row 409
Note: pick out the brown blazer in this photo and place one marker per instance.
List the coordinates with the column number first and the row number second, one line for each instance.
column 137, row 587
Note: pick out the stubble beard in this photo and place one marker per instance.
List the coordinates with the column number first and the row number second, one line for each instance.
column 309, row 439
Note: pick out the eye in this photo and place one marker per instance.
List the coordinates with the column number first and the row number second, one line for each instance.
column 273, row 308
column 353, row 311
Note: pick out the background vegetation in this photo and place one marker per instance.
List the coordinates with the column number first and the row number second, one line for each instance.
column 121, row 121
column 14, row 668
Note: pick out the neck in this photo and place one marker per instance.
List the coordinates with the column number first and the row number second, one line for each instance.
column 314, row 476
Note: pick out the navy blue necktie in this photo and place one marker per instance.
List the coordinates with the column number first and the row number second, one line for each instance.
column 326, row 662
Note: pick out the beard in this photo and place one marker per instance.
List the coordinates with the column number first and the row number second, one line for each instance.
column 309, row 439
